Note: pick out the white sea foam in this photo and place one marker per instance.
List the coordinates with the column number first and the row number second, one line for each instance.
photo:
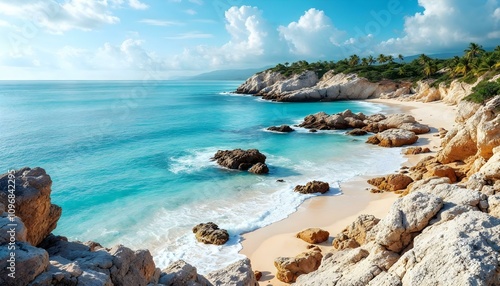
column 194, row 161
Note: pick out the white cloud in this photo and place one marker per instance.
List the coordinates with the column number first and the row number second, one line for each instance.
column 313, row 34
column 447, row 24
column 198, row 2
column 191, row 12
column 190, row 35
column 136, row 4
column 60, row 17
column 156, row 22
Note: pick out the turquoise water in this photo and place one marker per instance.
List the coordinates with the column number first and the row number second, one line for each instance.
column 130, row 161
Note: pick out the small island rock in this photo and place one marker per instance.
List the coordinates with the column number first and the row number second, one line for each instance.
column 209, row 233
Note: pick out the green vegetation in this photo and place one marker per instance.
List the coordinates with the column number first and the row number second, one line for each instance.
column 484, row 91
column 474, row 63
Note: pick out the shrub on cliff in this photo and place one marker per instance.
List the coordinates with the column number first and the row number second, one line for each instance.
column 484, row 91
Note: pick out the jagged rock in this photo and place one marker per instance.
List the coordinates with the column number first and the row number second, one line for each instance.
column 209, row 233
column 416, row 150
column 462, row 251
column 443, row 171
column 393, row 138
column 259, row 168
column 313, row 187
column 494, row 206
column 407, row 216
column 12, row 230
column 313, row 235
column 476, row 136
column 357, row 132
column 239, row 159
column 354, row 234
column 259, row 81
column 289, row 268
column 397, row 119
column 33, row 206
column 416, row 128
column 356, row 266
column 491, row 170
column 182, row 273
column 239, row 273
column 131, row 267
column 282, row 129
column 28, row 263
column 392, row 182
column 385, row 279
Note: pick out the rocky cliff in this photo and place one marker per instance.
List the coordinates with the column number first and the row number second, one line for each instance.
column 30, row 255
column 331, row 86
column 308, row 87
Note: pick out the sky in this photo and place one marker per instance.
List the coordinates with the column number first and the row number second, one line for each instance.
column 132, row 39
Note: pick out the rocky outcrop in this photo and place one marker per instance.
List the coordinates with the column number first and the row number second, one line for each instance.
column 355, row 234
column 391, row 183
column 357, row 132
column 182, row 273
column 240, row 159
column 314, row 235
column 209, row 233
column 289, row 268
column 313, row 187
column 393, row 138
column 32, row 202
column 452, row 94
column 259, row 81
column 57, row 261
column 307, row 87
column 239, row 273
column 281, row 129
column 462, row 251
column 474, row 137
column 407, row 216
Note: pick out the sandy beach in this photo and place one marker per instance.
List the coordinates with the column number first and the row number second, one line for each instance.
column 334, row 213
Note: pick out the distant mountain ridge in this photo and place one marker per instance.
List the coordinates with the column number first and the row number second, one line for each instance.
column 232, row 74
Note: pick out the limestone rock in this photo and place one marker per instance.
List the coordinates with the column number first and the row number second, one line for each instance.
column 259, row 81
column 313, row 187
column 33, row 205
column 392, row 182
column 289, row 268
column 12, row 230
column 356, row 266
column 355, row 234
column 494, row 206
column 462, row 251
column 209, row 233
column 407, row 216
column 282, row 129
column 239, row 273
column 182, row 273
column 393, row 138
column 29, row 263
column 491, row 170
column 259, row 168
column 313, row 235
column 443, row 171
column 239, row 159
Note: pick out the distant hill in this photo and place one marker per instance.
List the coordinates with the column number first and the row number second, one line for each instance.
column 234, row 74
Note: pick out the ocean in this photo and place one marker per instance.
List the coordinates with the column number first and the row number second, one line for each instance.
column 130, row 160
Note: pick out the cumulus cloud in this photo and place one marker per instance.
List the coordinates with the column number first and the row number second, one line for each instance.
column 136, row 4
column 448, row 24
column 60, row 17
column 313, row 34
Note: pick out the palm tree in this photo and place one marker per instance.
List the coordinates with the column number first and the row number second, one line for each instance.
column 365, row 62
column 381, row 59
column 390, row 59
column 423, row 59
column 464, row 66
column 429, row 68
column 401, row 58
column 354, row 60
column 497, row 49
column 473, row 51
column 402, row 71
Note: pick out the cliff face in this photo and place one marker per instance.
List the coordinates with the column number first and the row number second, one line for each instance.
column 307, row 87
column 44, row 259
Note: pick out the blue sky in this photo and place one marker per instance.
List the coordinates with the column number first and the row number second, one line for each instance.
column 126, row 39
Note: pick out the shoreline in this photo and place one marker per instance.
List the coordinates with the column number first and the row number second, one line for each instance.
column 334, row 213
